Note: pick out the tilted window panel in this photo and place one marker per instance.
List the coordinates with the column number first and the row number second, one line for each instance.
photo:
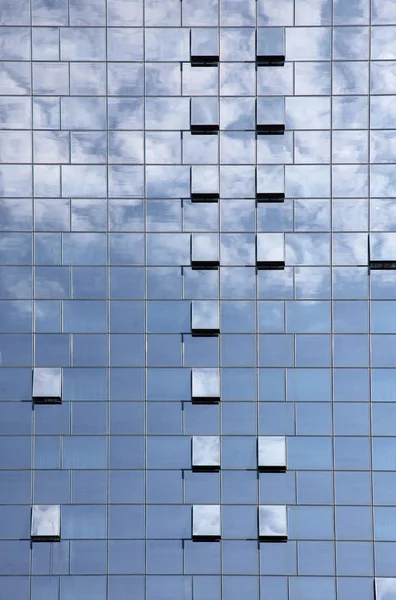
column 206, row 522
column 272, row 523
column 204, row 47
column 205, row 453
column 270, row 47
column 271, row 453
column 205, row 251
column 204, row 115
column 270, row 115
column 205, row 317
column 270, row 183
column 204, row 183
column 270, row 251
column 47, row 385
column 385, row 588
column 205, row 385
column 382, row 250
column 45, row 523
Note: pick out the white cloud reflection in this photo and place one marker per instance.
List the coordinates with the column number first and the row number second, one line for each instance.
column 206, row 451
column 45, row 521
column 272, row 451
column 205, row 383
column 272, row 521
column 385, row 588
column 206, row 520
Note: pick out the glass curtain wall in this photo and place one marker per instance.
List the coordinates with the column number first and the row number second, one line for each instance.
column 197, row 299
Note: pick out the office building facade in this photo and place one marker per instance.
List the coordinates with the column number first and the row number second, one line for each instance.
column 197, row 299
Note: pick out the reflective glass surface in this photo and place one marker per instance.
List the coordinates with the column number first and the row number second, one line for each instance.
column 197, row 299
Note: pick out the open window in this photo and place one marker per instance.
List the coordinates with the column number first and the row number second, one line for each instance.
column 206, row 522
column 205, row 252
column 45, row 523
column 204, row 47
column 385, row 588
column 270, row 47
column 204, row 183
column 273, row 523
column 47, row 385
column 205, row 385
column 204, row 115
column 205, row 453
column 270, row 251
column 382, row 251
column 205, row 318
column 271, row 453
column 270, row 115
column 270, row 183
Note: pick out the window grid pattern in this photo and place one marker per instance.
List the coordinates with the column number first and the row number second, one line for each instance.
column 103, row 187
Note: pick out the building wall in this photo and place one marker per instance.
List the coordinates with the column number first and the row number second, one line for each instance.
column 97, row 225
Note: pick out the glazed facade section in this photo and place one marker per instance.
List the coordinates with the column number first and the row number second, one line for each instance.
column 197, row 299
